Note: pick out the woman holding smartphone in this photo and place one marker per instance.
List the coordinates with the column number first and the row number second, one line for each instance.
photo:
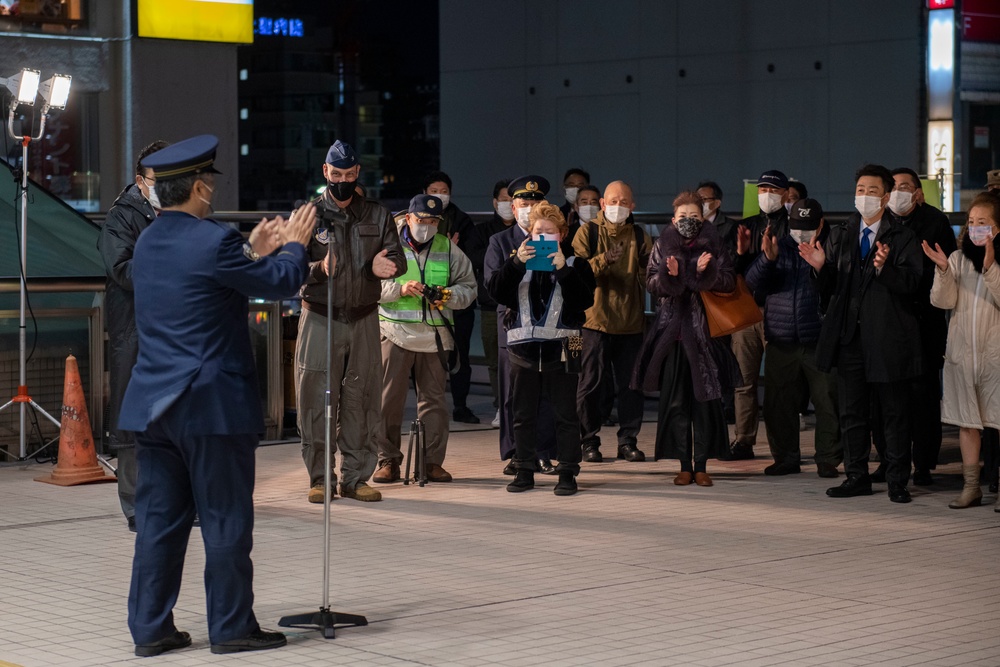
column 545, row 308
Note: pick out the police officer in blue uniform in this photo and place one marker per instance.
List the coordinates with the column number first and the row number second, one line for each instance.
column 193, row 399
column 525, row 193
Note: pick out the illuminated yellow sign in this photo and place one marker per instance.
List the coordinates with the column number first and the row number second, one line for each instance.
column 198, row 20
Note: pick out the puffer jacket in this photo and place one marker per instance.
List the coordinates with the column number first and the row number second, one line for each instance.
column 620, row 299
column 368, row 230
column 791, row 301
column 972, row 360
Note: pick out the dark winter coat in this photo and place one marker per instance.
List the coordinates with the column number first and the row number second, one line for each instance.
column 791, row 300
column 128, row 217
column 680, row 313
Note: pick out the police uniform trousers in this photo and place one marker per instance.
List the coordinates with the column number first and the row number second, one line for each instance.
column 786, row 366
column 178, row 475
column 491, row 348
column 465, row 322
column 528, row 386
column 604, row 352
column 855, row 395
column 748, row 347
column 545, row 420
column 355, row 395
column 680, row 413
column 432, row 409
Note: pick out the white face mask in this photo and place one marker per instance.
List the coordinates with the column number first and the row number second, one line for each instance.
column 505, row 210
column 616, row 215
column 522, row 217
column 154, row 199
column 205, row 201
column 900, row 202
column 588, row 212
column 422, row 233
column 769, row 202
column 788, row 206
column 445, row 199
column 867, row 205
column 802, row 235
column 706, row 210
column 980, row 234
column 571, row 194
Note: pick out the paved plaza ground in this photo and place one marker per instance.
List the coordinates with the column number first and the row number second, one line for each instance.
column 755, row 571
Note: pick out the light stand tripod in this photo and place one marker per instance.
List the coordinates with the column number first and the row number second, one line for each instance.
column 325, row 619
column 23, row 398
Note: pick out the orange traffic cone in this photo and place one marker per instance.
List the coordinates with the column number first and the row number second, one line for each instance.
column 77, row 462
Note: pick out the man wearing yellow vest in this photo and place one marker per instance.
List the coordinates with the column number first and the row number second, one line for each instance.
column 416, row 337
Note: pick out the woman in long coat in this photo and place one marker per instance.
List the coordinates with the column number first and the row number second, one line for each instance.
column 679, row 357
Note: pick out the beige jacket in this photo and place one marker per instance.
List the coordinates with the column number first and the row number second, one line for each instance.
column 620, row 299
column 972, row 360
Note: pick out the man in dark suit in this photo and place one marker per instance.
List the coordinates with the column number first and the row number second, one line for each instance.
column 193, row 399
column 870, row 268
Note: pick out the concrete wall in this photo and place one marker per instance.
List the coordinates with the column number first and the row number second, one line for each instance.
column 664, row 94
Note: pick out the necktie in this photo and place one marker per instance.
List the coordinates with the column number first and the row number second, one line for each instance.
column 866, row 243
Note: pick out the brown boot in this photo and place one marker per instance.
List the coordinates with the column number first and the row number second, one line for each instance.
column 972, row 495
column 387, row 473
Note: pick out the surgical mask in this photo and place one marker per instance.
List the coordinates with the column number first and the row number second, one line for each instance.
column 443, row 197
column 616, row 215
column 341, row 191
column 706, row 209
column 588, row 212
column 788, row 206
column 802, row 235
column 867, row 205
column 980, row 234
column 207, row 202
column 505, row 210
column 422, row 233
column 522, row 217
column 571, row 194
column 769, row 202
column 154, row 199
column 689, row 227
column 900, row 202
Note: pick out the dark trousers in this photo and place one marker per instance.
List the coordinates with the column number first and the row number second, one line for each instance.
column 491, row 349
column 619, row 351
column 854, row 395
column 925, row 415
column 680, row 413
column 528, row 385
column 125, row 472
column 789, row 373
column 177, row 476
column 546, row 421
column 465, row 322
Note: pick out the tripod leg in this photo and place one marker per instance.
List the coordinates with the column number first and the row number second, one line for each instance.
column 421, row 471
column 409, row 453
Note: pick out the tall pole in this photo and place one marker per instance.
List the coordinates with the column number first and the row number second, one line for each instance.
column 22, row 385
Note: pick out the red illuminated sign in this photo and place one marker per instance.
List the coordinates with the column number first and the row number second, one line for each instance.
column 981, row 21
column 940, row 4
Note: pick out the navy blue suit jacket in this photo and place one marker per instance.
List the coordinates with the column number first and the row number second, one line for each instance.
column 192, row 281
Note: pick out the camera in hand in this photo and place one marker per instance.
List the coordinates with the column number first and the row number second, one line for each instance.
column 433, row 294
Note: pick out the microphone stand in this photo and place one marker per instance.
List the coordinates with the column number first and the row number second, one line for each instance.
column 325, row 619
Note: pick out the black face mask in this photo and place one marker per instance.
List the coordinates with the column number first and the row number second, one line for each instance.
column 689, row 227
column 341, row 191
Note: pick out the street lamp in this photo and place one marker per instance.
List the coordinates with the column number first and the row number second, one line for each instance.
column 25, row 86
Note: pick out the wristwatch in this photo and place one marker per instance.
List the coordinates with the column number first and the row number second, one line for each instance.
column 250, row 253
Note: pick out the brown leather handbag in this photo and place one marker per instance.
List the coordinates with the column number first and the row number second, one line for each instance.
column 728, row 313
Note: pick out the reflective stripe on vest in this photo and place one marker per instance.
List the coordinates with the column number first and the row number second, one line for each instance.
column 549, row 327
column 435, row 272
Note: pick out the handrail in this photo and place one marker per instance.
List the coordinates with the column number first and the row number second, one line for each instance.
column 49, row 285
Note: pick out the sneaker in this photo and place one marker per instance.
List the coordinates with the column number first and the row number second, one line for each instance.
column 362, row 492
column 258, row 640
column 464, row 416
column 566, row 486
column 496, row 420
column 387, row 473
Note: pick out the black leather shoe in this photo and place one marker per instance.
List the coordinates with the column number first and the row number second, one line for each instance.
column 739, row 452
column 545, row 467
column 631, row 453
column 878, row 477
column 852, row 486
column 523, row 481
column 592, row 454
column 922, row 477
column 566, row 486
column 899, row 494
column 131, row 523
column 464, row 416
column 783, row 468
column 258, row 640
column 827, row 470
column 168, row 643
column 510, row 468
